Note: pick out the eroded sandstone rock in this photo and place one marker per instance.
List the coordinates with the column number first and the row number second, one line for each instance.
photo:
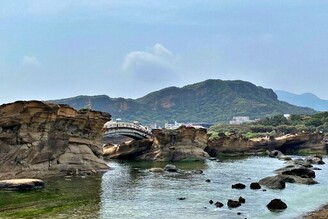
column 182, row 144
column 43, row 139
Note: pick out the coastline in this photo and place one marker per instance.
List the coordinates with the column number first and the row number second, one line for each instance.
column 320, row 213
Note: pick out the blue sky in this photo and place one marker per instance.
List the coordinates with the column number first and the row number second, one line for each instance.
column 57, row 49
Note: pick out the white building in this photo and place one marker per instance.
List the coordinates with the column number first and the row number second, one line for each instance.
column 237, row 120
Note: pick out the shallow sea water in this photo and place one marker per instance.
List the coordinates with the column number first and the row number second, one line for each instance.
column 154, row 195
column 129, row 190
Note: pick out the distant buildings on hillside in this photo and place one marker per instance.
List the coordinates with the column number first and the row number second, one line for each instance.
column 237, row 120
column 176, row 125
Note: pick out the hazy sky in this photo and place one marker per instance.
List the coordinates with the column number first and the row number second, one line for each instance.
column 51, row 49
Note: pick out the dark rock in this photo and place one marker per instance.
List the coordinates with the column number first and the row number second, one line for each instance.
column 208, row 180
column 300, row 171
column 211, row 202
column 21, row 184
column 298, row 179
column 233, row 204
column 276, row 204
column 241, row 200
column 218, row 204
column 238, row 213
column 170, row 168
column 255, row 185
column 238, row 186
column 181, row 198
column 316, row 168
column 273, row 182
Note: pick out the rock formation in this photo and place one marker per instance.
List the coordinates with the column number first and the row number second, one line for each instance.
column 301, row 142
column 184, row 143
column 43, row 139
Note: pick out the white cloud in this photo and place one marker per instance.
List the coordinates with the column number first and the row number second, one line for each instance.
column 156, row 65
column 30, row 61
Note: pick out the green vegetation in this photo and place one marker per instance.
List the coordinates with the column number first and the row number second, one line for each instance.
column 59, row 197
column 275, row 125
column 210, row 101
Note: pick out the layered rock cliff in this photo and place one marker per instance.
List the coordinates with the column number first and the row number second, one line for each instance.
column 307, row 143
column 41, row 139
column 182, row 144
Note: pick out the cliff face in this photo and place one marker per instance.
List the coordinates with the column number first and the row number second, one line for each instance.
column 184, row 143
column 42, row 139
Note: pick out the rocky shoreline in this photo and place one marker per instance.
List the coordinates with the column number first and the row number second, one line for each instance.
column 321, row 213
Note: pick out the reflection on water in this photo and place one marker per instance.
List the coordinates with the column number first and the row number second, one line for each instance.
column 129, row 190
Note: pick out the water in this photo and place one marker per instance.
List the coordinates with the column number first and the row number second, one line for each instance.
column 129, row 190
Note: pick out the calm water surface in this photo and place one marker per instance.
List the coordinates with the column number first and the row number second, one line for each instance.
column 129, row 190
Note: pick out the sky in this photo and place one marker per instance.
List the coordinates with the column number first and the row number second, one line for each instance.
column 127, row 48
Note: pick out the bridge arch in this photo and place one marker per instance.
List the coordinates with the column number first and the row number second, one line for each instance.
column 133, row 130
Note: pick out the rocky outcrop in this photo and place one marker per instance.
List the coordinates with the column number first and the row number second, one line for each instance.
column 182, row 144
column 21, row 184
column 43, row 139
column 292, row 143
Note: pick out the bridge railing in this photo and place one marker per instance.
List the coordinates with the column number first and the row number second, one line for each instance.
column 127, row 125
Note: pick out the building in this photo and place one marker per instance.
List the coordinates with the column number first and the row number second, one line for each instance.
column 237, row 120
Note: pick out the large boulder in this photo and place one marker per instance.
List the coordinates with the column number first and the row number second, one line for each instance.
column 299, row 171
column 273, row 182
column 40, row 139
column 276, row 205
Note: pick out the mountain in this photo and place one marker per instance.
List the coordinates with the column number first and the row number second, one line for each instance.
column 210, row 101
column 304, row 100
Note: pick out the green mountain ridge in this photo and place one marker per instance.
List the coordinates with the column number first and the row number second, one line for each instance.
column 210, row 101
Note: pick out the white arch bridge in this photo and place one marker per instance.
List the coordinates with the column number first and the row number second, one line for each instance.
column 133, row 130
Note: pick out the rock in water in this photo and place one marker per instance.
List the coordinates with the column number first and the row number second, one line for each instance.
column 170, row 168
column 273, row 182
column 276, row 204
column 242, row 200
column 218, row 204
column 255, row 185
column 233, row 204
column 238, row 186
column 21, row 184
column 41, row 139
